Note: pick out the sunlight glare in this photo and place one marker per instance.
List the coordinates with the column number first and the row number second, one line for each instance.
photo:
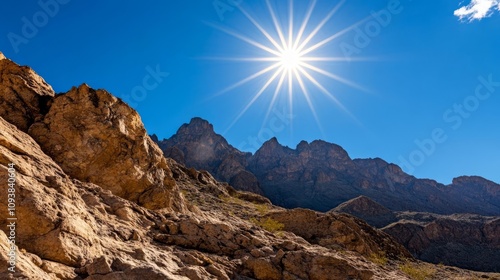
column 291, row 57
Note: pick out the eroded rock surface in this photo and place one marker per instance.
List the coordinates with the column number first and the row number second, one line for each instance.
column 24, row 96
column 95, row 137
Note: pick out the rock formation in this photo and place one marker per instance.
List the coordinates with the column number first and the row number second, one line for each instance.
column 463, row 240
column 24, row 94
column 368, row 210
column 321, row 175
column 92, row 134
column 197, row 145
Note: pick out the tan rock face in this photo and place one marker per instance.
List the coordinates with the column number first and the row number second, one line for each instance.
column 50, row 221
column 97, row 138
column 24, row 95
column 335, row 230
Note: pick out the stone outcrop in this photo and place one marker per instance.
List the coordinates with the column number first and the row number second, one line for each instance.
column 368, row 210
column 24, row 95
column 95, row 137
column 467, row 241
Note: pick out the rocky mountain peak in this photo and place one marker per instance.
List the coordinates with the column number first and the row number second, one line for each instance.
column 197, row 145
column 2, row 56
column 462, row 180
column 197, row 126
column 271, row 144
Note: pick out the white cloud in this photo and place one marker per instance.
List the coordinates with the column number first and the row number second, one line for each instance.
column 477, row 9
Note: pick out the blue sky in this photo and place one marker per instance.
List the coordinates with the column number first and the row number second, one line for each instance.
column 431, row 100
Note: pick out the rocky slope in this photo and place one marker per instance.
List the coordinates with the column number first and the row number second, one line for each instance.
column 95, row 199
column 321, row 175
column 463, row 240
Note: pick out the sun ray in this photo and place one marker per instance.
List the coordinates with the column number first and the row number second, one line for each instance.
column 290, row 25
column 256, row 96
column 291, row 63
column 290, row 91
column 334, row 36
column 248, row 79
column 320, row 25
column 333, row 76
column 304, row 24
column 308, row 99
column 247, row 59
column 245, row 39
column 275, row 96
column 325, row 59
column 266, row 34
column 327, row 93
column 276, row 24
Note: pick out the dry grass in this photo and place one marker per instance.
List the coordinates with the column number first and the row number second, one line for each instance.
column 268, row 224
column 262, row 209
column 379, row 258
column 418, row 271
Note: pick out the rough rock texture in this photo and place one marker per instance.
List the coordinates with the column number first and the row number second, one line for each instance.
column 367, row 210
column 333, row 230
column 68, row 229
column 464, row 240
column 197, row 145
column 467, row 241
column 23, row 94
column 97, row 138
column 321, row 175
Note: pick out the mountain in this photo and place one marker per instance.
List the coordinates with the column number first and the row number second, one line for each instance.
column 321, row 175
column 92, row 197
column 197, row 145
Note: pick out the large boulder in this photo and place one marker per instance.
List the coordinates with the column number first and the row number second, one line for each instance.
column 95, row 137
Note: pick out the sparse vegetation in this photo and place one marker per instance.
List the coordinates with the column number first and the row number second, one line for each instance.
column 262, row 208
column 230, row 199
column 418, row 271
column 379, row 258
column 268, row 224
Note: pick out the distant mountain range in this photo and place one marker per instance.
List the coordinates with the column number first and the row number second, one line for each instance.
column 321, row 175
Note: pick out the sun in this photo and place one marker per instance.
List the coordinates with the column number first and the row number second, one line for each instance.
column 291, row 59
column 290, row 63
